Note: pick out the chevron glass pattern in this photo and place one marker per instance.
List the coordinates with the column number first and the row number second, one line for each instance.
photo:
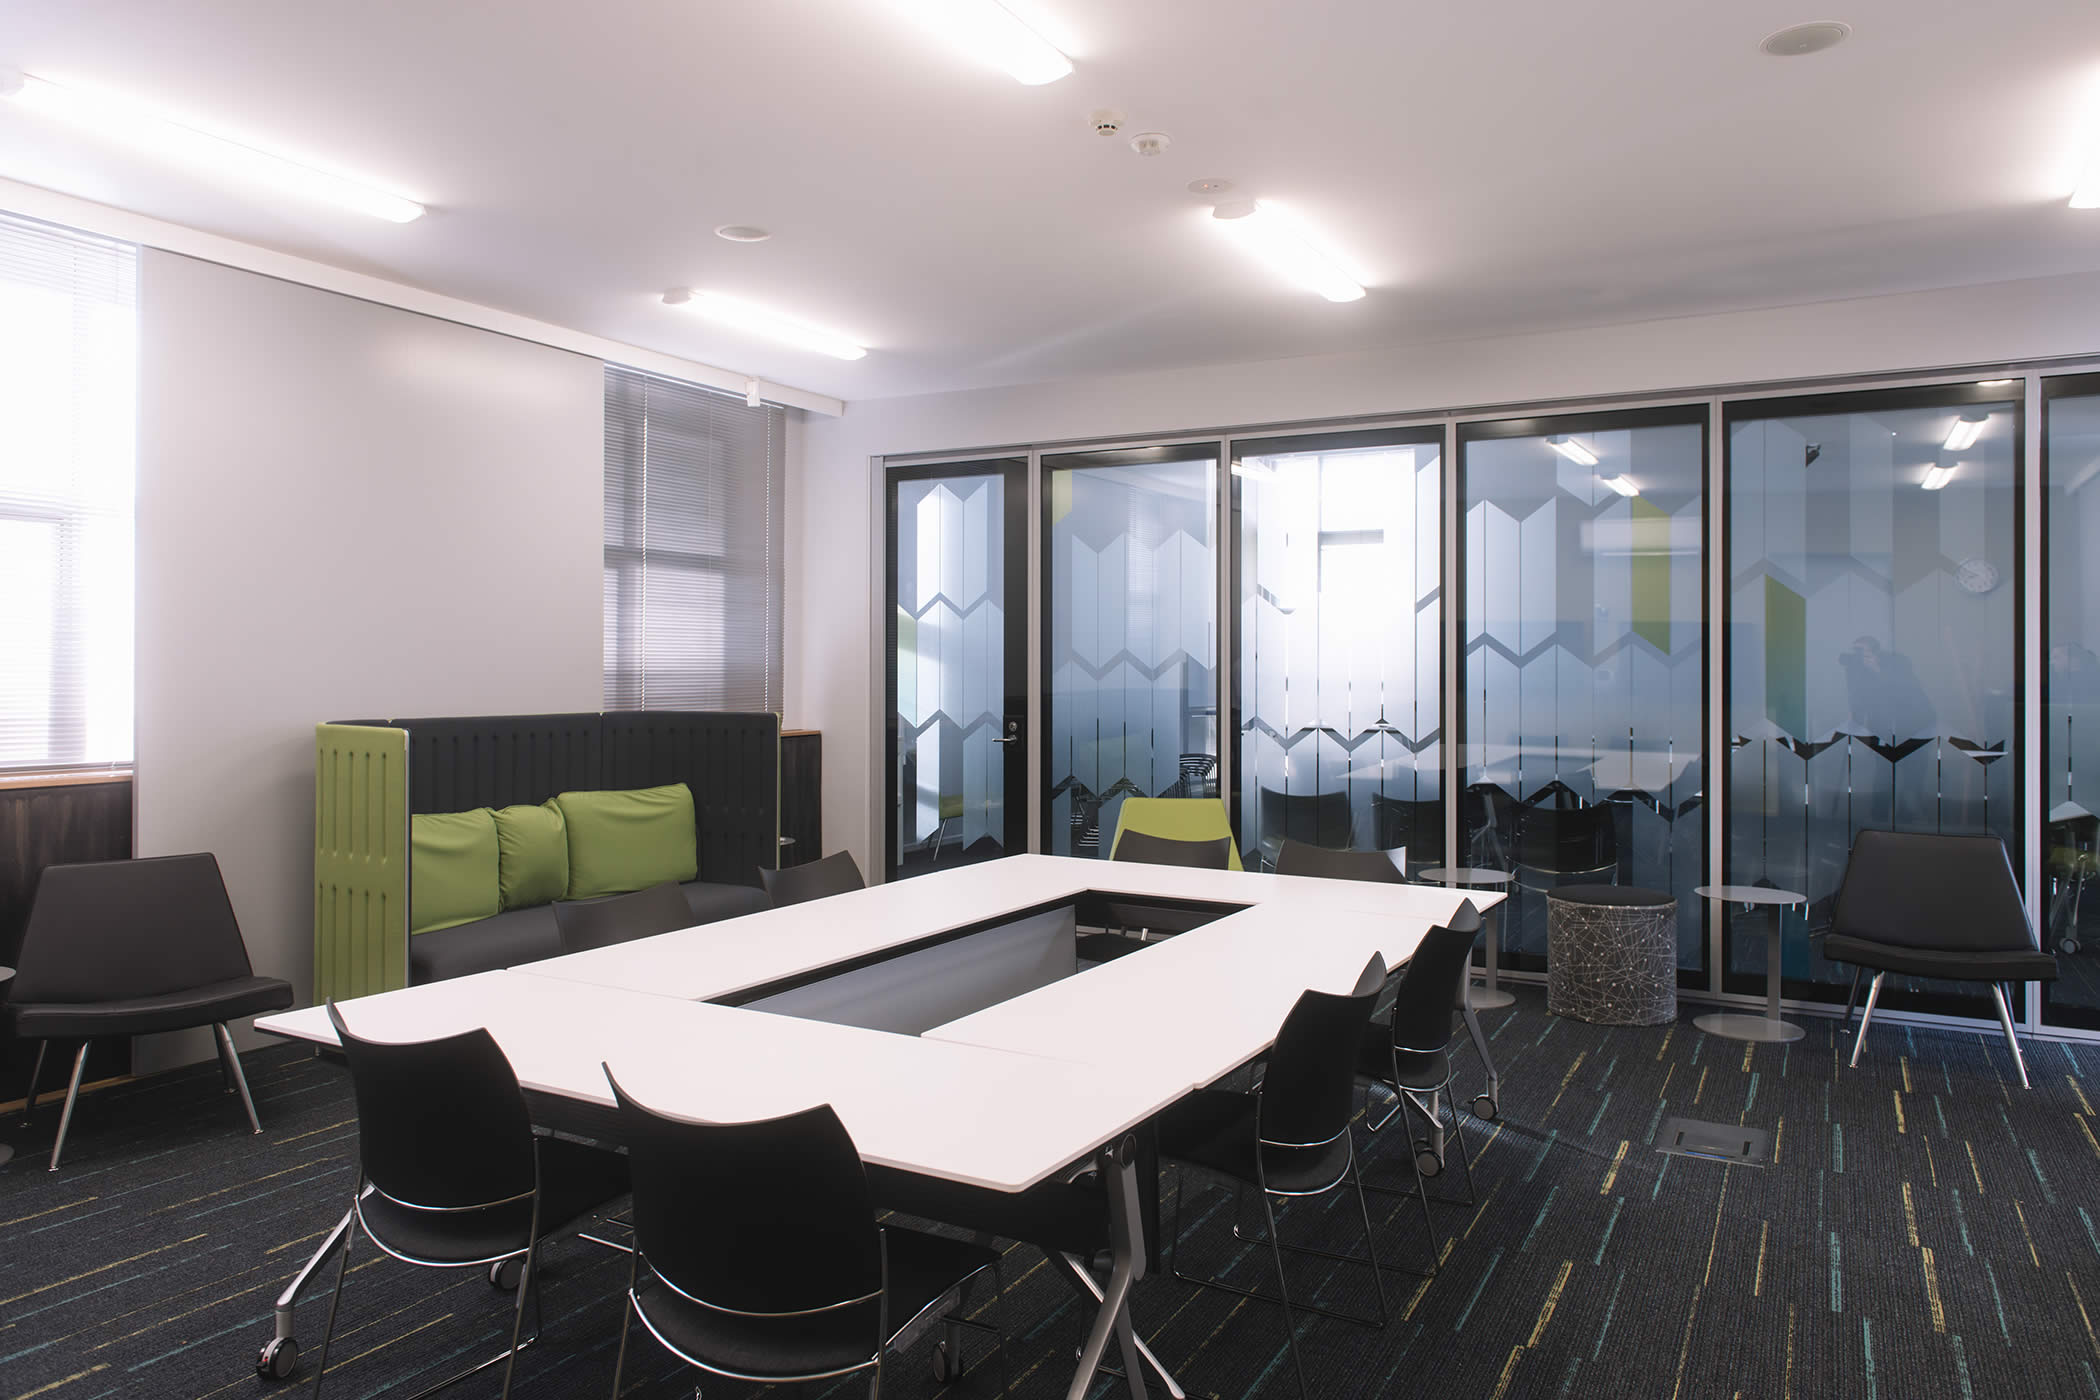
column 1873, row 641
column 1583, row 681
column 1340, row 646
column 1130, row 636
column 2071, row 698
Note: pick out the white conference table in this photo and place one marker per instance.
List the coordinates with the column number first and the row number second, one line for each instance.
column 1057, row 1075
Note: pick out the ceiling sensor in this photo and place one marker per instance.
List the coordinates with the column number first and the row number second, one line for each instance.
column 1105, row 121
column 1151, row 143
column 1209, row 189
column 743, row 233
column 1813, row 37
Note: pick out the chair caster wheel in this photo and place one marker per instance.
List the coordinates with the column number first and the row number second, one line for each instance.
column 1485, row 1108
column 505, row 1273
column 1428, row 1163
column 947, row 1363
column 278, row 1360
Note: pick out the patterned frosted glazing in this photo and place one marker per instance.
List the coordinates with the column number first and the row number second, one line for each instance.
column 1583, row 687
column 951, row 665
column 2071, row 709
column 1131, row 642
column 1341, row 738
column 1873, row 643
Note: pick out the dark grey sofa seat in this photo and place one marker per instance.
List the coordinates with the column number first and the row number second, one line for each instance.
column 527, row 935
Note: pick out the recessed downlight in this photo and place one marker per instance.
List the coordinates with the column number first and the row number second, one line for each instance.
column 743, row 233
column 1813, row 37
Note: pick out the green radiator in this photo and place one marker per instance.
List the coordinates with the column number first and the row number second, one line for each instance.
column 360, row 860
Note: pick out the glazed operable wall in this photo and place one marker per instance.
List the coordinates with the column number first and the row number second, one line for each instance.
column 1692, row 642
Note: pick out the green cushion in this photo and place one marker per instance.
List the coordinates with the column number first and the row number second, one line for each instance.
column 532, row 855
column 452, row 869
column 629, row 840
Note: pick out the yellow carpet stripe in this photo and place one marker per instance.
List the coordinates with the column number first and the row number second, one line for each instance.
column 1757, row 1286
column 1684, row 1352
column 1932, row 1290
column 1664, row 1048
column 1700, row 1092
column 1910, row 1217
column 77, row 1375
column 1748, row 1046
column 1778, row 1133
column 1787, row 1383
column 1974, row 1170
column 240, row 1185
column 1613, row 1173
column 2083, row 1102
column 101, row 1269
column 1898, row 1095
column 2083, row 1315
column 38, row 1215
column 1509, row 1369
column 2029, row 1234
column 1713, row 1247
column 1931, row 1167
column 316, row 1132
column 1579, row 1058
column 2089, row 1140
column 1905, row 1062
column 1560, row 1281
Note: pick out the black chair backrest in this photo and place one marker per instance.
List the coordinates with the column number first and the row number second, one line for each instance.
column 1419, row 826
column 1317, row 818
column 1148, row 849
column 1433, row 987
column 440, row 1123
column 1308, row 1091
column 117, row 929
column 820, row 879
column 1567, row 840
column 767, row 1217
column 1297, row 858
column 1925, row 891
column 600, row 923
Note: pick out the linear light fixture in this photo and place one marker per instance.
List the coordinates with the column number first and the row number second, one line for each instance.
column 1966, row 430
column 988, row 31
column 120, row 119
column 1621, row 484
column 2085, row 187
column 1937, row 477
column 1572, row 450
column 1278, row 238
column 743, row 316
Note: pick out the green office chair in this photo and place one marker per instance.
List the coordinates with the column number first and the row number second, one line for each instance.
column 1177, row 819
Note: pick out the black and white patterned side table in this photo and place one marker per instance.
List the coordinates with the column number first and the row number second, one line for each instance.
column 1734, row 1024
column 1611, row 954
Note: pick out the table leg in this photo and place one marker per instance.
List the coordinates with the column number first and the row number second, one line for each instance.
column 1767, row 1027
column 1490, row 996
column 1126, row 1267
column 1772, row 965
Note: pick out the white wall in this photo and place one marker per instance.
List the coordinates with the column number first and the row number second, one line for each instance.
column 834, row 685
column 345, row 510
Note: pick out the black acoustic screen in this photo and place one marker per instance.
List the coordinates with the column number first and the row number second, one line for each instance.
column 730, row 760
column 499, row 760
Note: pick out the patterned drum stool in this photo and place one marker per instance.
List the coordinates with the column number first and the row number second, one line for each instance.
column 1611, row 954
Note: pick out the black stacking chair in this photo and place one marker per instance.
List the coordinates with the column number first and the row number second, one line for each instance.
column 130, row 947
column 819, row 879
column 1411, row 1055
column 1147, row 849
column 450, row 1175
column 1290, row 1137
column 1559, row 841
column 1934, row 906
column 1400, row 823
column 757, row 1255
column 1297, row 858
column 1314, row 818
column 599, row 923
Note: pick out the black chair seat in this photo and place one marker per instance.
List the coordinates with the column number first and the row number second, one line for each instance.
column 922, row 1269
column 1215, row 1129
column 1959, row 964
column 170, row 1011
column 574, row 1181
column 1422, row 1070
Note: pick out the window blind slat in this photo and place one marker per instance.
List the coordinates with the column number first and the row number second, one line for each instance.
column 693, row 485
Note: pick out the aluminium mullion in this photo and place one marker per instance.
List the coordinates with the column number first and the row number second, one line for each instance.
column 2033, row 722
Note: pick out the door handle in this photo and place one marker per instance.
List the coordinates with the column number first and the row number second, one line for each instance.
column 1012, row 734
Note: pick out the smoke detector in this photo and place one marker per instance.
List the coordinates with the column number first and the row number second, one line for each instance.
column 1799, row 39
column 1151, row 143
column 1209, row 189
column 1105, row 121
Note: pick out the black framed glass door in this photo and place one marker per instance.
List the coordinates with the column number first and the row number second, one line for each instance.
column 955, row 703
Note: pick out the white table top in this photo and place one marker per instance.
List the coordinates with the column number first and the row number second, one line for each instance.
column 1749, row 894
column 1468, row 875
column 976, row 1115
column 721, row 959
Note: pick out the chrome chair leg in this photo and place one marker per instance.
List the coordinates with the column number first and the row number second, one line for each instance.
column 1283, row 1290
column 65, row 1117
column 36, row 1074
column 230, row 1064
column 1851, row 998
column 335, row 1301
column 2005, row 1023
column 1860, row 1038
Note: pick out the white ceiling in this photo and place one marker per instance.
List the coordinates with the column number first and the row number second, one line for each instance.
column 1492, row 168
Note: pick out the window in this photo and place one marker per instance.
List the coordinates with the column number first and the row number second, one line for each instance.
column 693, row 483
column 68, row 345
column 2070, row 923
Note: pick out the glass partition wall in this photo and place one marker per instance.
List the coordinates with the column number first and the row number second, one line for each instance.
column 1873, row 646
column 1582, row 682
column 2070, row 796
column 1130, row 636
column 1338, row 665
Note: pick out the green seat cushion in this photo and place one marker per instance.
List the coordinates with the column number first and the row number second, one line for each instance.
column 532, row 845
column 452, row 869
column 629, row 839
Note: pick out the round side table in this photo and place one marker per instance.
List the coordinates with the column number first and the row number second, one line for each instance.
column 1488, row 996
column 1735, row 1025
column 7, row 1154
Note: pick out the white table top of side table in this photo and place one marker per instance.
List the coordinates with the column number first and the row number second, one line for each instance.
column 1750, row 894
column 962, row 1113
column 1467, row 876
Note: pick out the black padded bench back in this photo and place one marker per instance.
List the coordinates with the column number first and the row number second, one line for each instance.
column 500, row 760
column 730, row 760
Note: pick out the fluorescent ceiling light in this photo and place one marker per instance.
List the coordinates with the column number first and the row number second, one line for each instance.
column 120, row 119
column 1279, row 239
column 1572, row 450
column 1937, row 477
column 1621, row 484
column 2085, row 187
column 743, row 316
column 988, row 32
column 1965, row 432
